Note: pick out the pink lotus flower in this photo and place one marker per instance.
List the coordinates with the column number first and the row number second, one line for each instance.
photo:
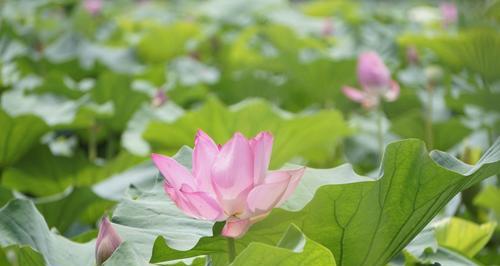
column 449, row 13
column 107, row 242
column 229, row 182
column 93, row 6
column 375, row 79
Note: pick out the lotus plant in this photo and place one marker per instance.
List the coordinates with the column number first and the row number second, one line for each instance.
column 107, row 241
column 229, row 182
column 375, row 80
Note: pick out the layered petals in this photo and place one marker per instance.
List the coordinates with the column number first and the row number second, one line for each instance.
column 232, row 174
column 229, row 182
column 295, row 177
column 201, row 205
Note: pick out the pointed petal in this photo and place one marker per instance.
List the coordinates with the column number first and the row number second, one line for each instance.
column 393, row 93
column 232, row 174
column 202, row 205
column 174, row 173
column 262, row 146
column 204, row 154
column 264, row 197
column 353, row 94
column 107, row 241
column 180, row 201
column 296, row 175
column 235, row 228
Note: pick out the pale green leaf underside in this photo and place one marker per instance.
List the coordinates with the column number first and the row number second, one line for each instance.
column 22, row 224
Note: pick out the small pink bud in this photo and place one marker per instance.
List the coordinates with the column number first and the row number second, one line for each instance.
column 93, row 6
column 375, row 80
column 159, row 99
column 107, row 242
column 412, row 55
column 449, row 12
column 327, row 29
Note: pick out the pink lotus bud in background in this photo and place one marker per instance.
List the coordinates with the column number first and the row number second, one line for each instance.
column 93, row 6
column 449, row 12
column 230, row 182
column 412, row 55
column 373, row 74
column 159, row 98
column 375, row 80
column 327, row 29
column 107, row 242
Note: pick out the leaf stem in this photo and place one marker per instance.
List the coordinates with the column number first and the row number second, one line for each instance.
column 380, row 133
column 110, row 146
column 231, row 249
column 92, row 142
column 429, row 138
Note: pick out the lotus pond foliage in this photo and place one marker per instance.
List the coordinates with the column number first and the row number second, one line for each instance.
column 222, row 132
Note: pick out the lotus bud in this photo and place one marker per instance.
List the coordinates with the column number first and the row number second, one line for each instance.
column 159, row 98
column 375, row 80
column 107, row 242
column 412, row 55
column 449, row 13
column 93, row 6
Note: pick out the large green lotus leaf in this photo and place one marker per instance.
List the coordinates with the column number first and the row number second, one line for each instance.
column 56, row 110
column 21, row 224
column 20, row 255
column 5, row 195
column 474, row 49
column 125, row 255
column 464, row 236
column 158, row 45
column 53, row 174
column 17, row 135
column 49, row 175
column 364, row 221
column 78, row 205
column 294, row 248
column 119, row 164
column 445, row 134
column 486, row 99
column 116, row 88
column 311, row 136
